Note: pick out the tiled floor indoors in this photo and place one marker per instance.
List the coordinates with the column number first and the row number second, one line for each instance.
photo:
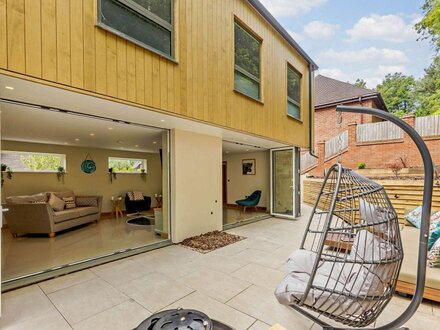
column 234, row 284
column 28, row 254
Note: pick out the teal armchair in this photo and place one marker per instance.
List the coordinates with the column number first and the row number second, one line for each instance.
column 250, row 201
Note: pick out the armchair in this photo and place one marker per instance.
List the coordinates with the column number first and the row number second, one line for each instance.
column 250, row 201
column 133, row 207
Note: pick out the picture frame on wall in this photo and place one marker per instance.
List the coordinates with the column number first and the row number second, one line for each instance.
column 249, row 166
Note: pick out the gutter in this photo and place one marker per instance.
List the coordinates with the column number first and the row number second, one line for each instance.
column 311, row 78
column 354, row 99
column 277, row 26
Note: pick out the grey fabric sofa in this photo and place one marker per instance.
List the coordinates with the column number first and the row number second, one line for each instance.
column 33, row 215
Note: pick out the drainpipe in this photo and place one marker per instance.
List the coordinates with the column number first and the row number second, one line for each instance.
column 311, row 76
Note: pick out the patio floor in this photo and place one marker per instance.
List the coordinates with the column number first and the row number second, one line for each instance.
column 234, row 284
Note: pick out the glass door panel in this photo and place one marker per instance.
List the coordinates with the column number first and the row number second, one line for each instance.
column 283, row 182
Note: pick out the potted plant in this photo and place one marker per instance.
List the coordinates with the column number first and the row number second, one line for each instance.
column 60, row 174
column 143, row 174
column 112, row 174
column 5, row 169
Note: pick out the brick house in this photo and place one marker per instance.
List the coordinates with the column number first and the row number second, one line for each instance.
column 330, row 93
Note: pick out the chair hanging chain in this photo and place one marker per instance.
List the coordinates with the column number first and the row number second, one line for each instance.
column 340, row 137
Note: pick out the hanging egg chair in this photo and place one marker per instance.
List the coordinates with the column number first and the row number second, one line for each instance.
column 350, row 256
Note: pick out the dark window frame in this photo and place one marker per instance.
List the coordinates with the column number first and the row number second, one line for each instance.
column 289, row 99
column 242, row 71
column 149, row 16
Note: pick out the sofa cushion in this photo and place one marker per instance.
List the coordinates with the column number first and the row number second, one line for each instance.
column 57, row 204
column 63, row 194
column 408, row 273
column 65, row 215
column 37, row 198
column 87, row 210
column 86, row 201
column 70, row 202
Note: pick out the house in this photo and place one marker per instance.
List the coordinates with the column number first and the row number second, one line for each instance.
column 191, row 90
column 330, row 93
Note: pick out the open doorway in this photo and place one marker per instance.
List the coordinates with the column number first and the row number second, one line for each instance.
column 80, row 188
column 246, row 183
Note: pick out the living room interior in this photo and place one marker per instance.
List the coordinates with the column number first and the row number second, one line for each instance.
column 246, row 182
column 77, row 187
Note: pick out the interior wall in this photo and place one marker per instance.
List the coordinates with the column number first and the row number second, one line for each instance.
column 196, row 184
column 97, row 183
column 239, row 186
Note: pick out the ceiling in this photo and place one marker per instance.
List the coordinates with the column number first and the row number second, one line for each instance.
column 12, row 88
column 240, row 148
column 27, row 124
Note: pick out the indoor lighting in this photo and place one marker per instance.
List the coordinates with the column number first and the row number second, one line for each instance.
column 227, row 152
column 77, row 139
column 247, row 149
column 154, row 142
column 92, row 134
column 9, row 87
column 136, row 145
column 162, row 120
column 110, row 128
column 66, row 142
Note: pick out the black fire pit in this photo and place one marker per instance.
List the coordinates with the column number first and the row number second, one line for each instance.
column 180, row 319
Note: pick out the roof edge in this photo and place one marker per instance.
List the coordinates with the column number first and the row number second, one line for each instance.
column 377, row 96
column 282, row 31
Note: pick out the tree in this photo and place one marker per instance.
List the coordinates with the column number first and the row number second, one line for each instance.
column 429, row 26
column 428, row 90
column 361, row 83
column 398, row 93
column 41, row 162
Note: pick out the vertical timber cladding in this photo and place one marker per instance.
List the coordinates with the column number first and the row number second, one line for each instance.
column 58, row 41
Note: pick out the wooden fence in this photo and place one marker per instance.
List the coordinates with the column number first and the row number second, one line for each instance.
column 381, row 131
column 404, row 194
column 332, row 145
column 307, row 161
column 428, row 126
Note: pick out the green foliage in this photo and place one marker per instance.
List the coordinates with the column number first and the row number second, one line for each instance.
column 360, row 83
column 398, row 92
column 41, row 162
column 125, row 165
column 247, row 51
column 362, row 165
column 428, row 90
column 293, row 85
column 429, row 26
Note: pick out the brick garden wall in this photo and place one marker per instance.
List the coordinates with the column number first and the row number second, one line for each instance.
column 377, row 154
column 326, row 120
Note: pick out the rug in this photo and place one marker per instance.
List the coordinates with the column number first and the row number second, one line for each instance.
column 211, row 241
column 141, row 221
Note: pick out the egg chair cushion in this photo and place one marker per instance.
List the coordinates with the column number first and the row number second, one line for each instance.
column 359, row 278
column 377, row 217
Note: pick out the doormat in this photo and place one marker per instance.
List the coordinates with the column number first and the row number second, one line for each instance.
column 211, row 241
column 141, row 221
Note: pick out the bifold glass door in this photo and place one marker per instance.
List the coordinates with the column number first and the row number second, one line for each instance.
column 283, row 182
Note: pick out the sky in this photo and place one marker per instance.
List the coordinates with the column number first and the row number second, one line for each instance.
column 351, row 39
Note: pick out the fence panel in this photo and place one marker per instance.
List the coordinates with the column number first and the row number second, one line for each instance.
column 428, row 126
column 307, row 161
column 381, row 131
column 332, row 145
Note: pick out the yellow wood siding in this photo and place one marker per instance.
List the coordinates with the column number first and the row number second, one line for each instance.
column 57, row 41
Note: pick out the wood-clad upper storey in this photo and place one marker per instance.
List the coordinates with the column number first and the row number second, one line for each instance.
column 58, row 41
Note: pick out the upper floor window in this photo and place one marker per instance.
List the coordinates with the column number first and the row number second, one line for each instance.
column 247, row 71
column 148, row 23
column 22, row 161
column 127, row 165
column 293, row 93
